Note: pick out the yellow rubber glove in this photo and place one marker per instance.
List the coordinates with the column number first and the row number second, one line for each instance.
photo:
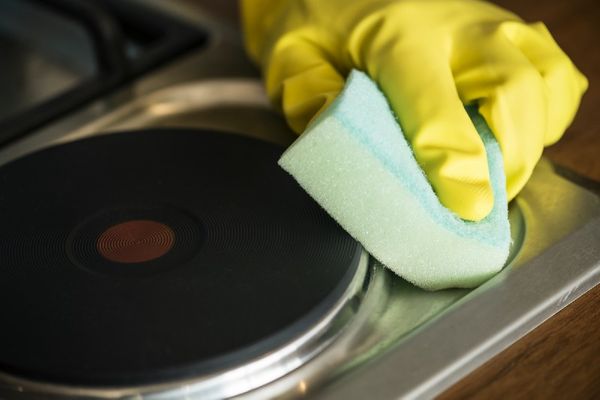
column 430, row 57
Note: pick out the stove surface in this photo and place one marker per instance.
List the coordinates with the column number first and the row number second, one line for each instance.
column 396, row 340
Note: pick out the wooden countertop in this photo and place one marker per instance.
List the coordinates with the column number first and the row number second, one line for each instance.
column 561, row 358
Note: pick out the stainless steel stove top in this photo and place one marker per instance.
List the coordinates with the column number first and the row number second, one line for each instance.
column 385, row 338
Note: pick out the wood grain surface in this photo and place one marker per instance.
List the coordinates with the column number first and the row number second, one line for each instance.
column 561, row 358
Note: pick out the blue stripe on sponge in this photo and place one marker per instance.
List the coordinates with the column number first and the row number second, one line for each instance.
column 355, row 162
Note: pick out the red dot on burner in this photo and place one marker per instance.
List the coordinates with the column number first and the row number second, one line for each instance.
column 135, row 241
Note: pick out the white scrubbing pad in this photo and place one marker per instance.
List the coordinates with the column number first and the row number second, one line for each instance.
column 355, row 162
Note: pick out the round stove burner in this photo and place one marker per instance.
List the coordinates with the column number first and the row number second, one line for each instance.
column 135, row 241
column 145, row 257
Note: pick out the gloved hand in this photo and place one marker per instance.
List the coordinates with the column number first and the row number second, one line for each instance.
column 430, row 57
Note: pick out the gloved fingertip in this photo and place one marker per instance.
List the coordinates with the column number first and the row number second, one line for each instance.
column 583, row 82
column 470, row 202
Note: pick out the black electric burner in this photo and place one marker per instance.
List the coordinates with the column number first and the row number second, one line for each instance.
column 138, row 257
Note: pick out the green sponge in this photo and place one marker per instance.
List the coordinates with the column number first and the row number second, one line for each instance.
column 355, row 162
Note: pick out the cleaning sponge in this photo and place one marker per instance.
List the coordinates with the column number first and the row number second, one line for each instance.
column 354, row 161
